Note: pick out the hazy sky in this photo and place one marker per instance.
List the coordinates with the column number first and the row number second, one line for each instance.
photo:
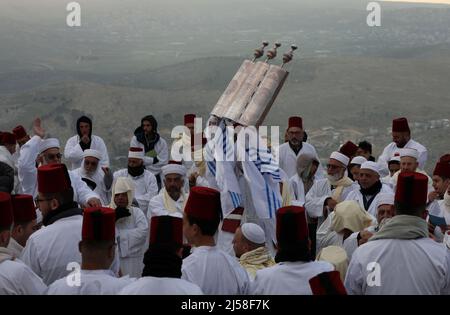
column 422, row 1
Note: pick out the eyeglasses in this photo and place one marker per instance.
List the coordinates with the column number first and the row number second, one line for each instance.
column 333, row 167
column 37, row 201
column 53, row 157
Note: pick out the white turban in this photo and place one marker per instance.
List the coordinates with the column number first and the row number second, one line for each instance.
column 394, row 158
column 385, row 199
column 340, row 157
column 337, row 256
column 136, row 153
column 410, row 153
column 373, row 166
column 173, row 169
column 359, row 160
column 254, row 233
column 48, row 144
column 92, row 153
column 122, row 185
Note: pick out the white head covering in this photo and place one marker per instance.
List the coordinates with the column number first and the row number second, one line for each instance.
column 373, row 166
column 358, row 160
column 395, row 158
column 409, row 152
column 48, row 144
column 336, row 256
column 122, row 185
column 136, row 153
column 349, row 215
column 173, row 169
column 385, row 199
column 92, row 153
column 254, row 233
column 340, row 157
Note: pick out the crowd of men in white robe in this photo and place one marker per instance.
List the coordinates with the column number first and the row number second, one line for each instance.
column 350, row 226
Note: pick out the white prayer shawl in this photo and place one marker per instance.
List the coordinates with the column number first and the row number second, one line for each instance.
column 391, row 149
column 131, row 235
column 357, row 196
column 159, row 206
column 92, row 282
column 8, row 159
column 162, row 153
column 215, row 272
column 319, row 192
column 161, row 286
column 16, row 278
column 15, row 247
column 28, row 174
column 73, row 152
column 146, row 187
column 288, row 278
column 49, row 250
column 98, row 178
column 288, row 159
column 407, row 267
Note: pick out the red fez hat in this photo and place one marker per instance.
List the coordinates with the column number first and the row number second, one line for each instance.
column 166, row 230
column 8, row 138
column 53, row 178
column 23, row 208
column 189, row 119
column 327, row 283
column 445, row 158
column 442, row 169
column 291, row 225
column 349, row 149
column 204, row 204
column 400, row 125
column 99, row 224
column 6, row 212
column 411, row 190
column 295, row 121
column 19, row 132
column 175, row 162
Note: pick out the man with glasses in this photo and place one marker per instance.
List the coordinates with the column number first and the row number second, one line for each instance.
column 326, row 193
column 98, row 178
column 294, row 147
column 39, row 151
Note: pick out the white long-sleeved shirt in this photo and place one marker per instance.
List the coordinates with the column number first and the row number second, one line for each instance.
column 131, row 235
column 288, row 159
column 73, row 152
column 92, row 282
column 288, row 278
column 395, row 266
column 16, row 278
column 215, row 272
column 28, row 174
column 162, row 153
column 391, row 149
column 161, row 286
column 146, row 187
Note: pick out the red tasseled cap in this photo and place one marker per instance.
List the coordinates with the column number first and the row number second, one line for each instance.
column 166, row 230
column 19, row 132
column 53, row 178
column 349, row 149
column 23, row 208
column 292, row 226
column 295, row 121
column 412, row 189
column 400, row 125
column 99, row 224
column 203, row 203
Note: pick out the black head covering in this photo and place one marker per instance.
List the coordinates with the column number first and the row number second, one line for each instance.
column 86, row 120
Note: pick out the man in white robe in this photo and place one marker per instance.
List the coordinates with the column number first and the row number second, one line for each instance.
column 213, row 270
column 98, row 178
column 84, row 140
column 49, row 250
column 22, row 137
column 16, row 278
column 132, row 227
column 294, row 266
column 290, row 151
column 38, row 151
column 24, row 222
column 401, row 258
column 171, row 198
column 327, row 192
column 401, row 138
column 370, row 187
column 97, row 248
column 436, row 203
column 162, row 272
column 145, row 183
